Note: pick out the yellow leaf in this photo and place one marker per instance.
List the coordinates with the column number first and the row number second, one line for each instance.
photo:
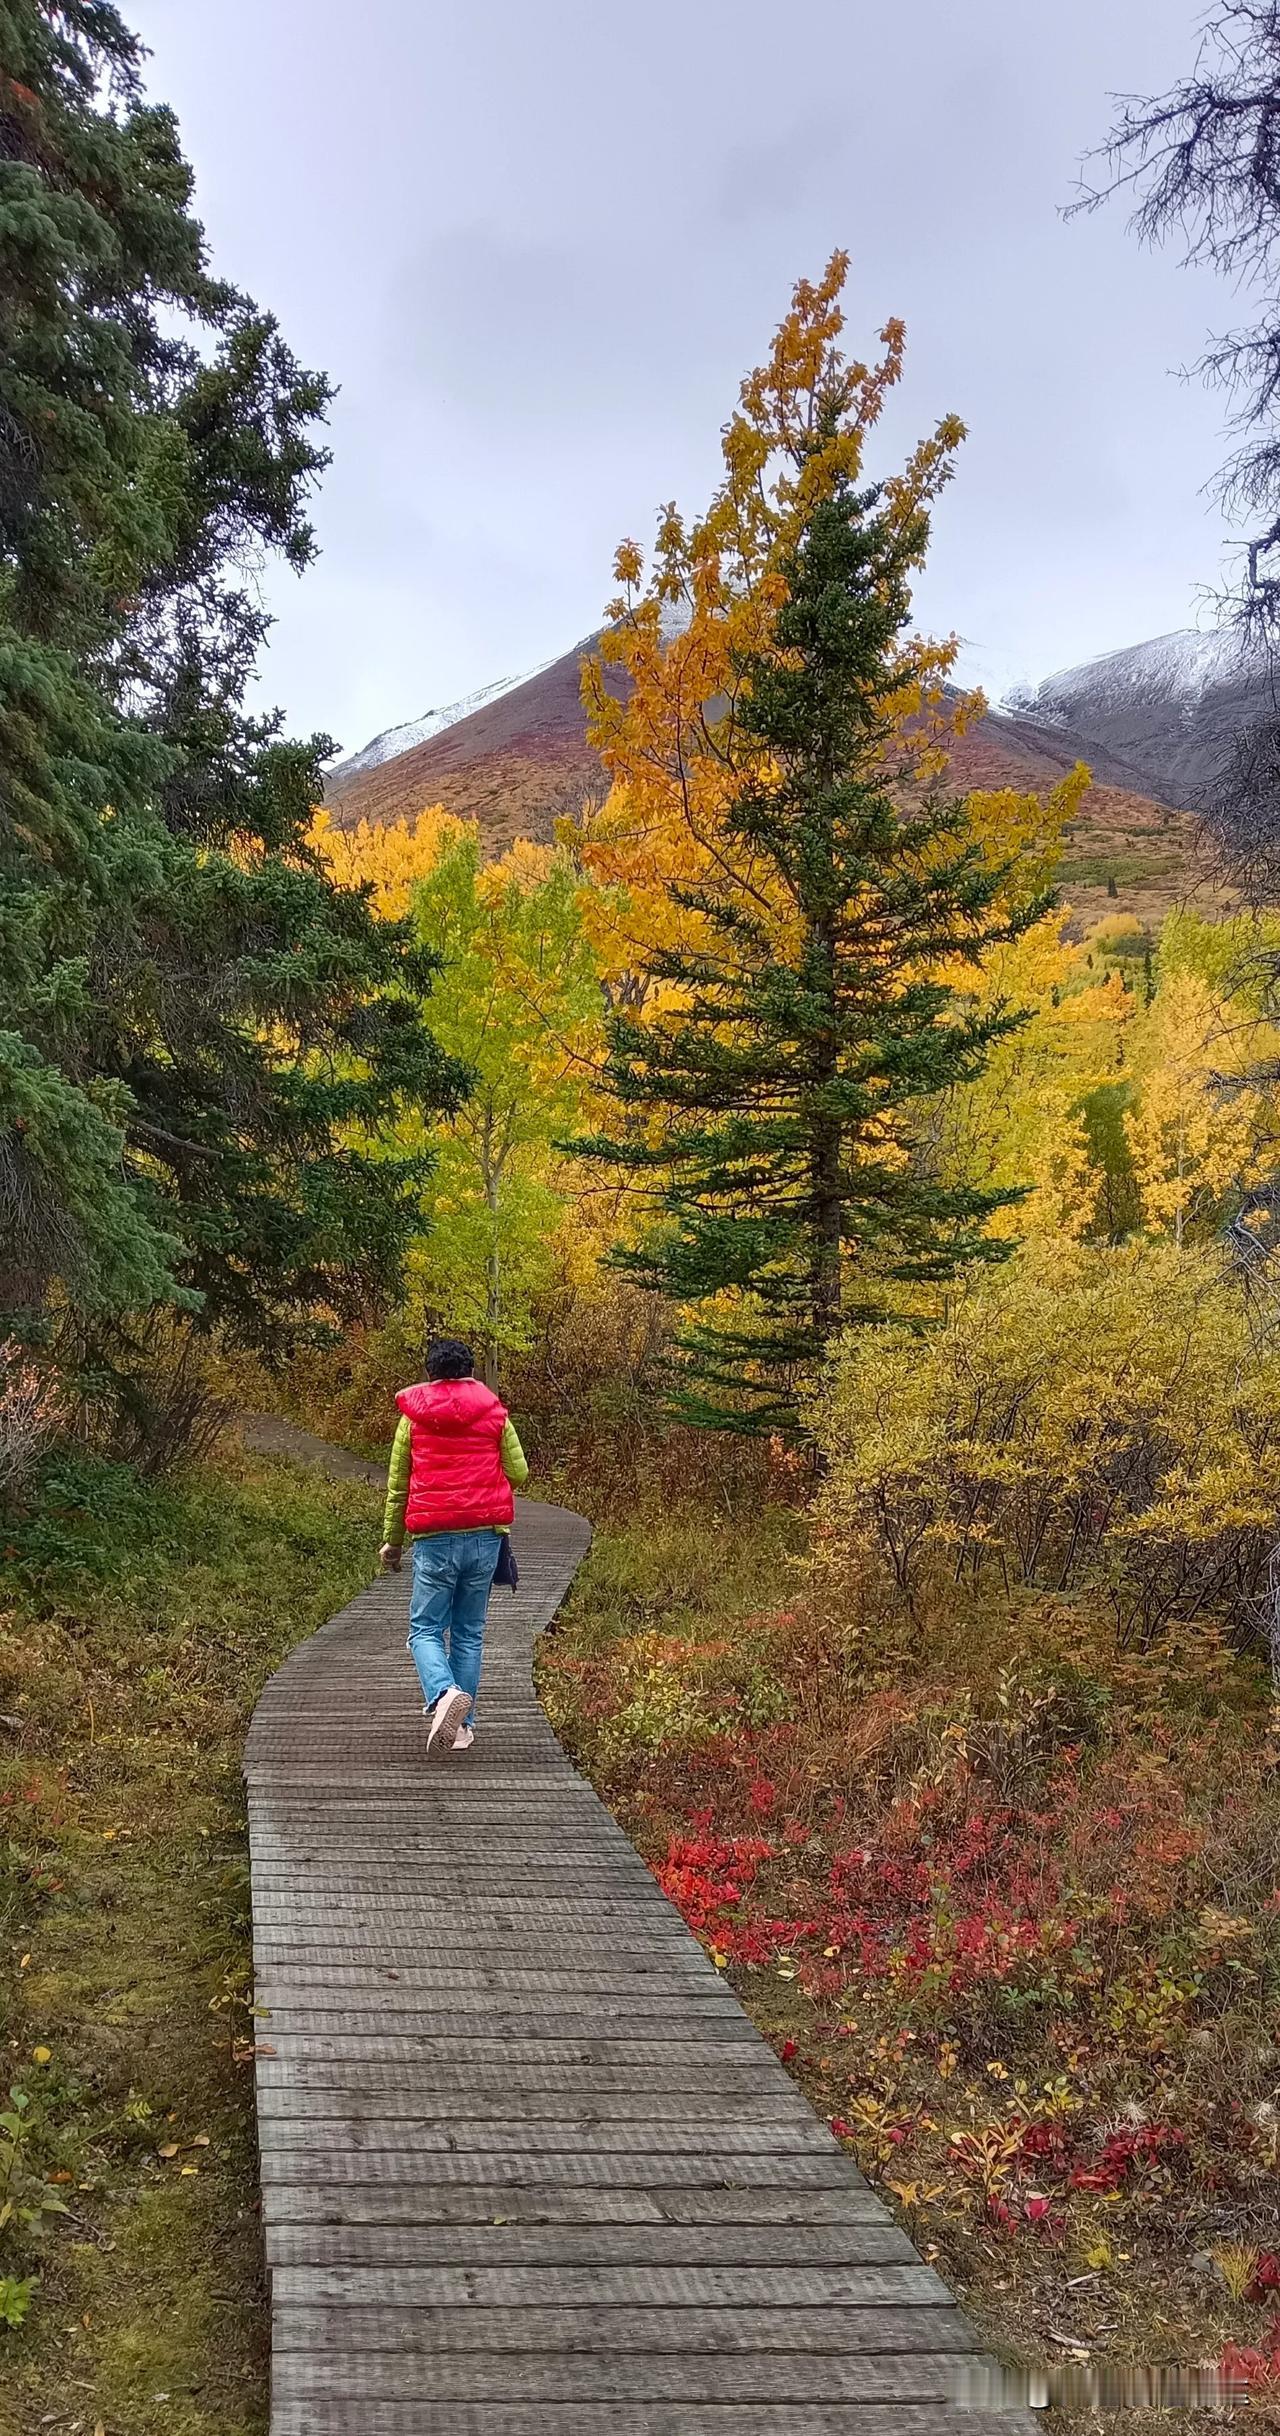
column 42, row 2055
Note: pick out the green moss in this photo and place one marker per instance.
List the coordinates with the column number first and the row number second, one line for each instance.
column 684, row 1573
column 1127, row 870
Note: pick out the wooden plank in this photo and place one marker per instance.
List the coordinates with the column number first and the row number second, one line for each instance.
column 423, row 1779
column 518, row 2137
column 460, row 1891
column 684, row 2110
column 687, row 2376
column 580, row 1857
column 483, row 1996
column 479, row 2056
column 421, row 1807
column 351, row 2205
column 325, row 2161
column 661, row 2245
column 866, row 2333
column 506, row 1973
column 576, row 1852
column 322, row 2159
column 276, row 1948
column 664, row 2288
column 421, row 1796
column 310, row 2411
column 393, row 2084
column 549, row 2064
column 533, row 1930
column 618, row 1916
column 377, row 2031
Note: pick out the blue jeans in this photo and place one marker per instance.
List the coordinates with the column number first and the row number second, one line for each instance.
column 452, row 1577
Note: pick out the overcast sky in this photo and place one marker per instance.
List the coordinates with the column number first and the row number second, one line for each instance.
column 537, row 242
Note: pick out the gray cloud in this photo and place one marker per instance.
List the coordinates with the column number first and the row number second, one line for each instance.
column 777, row 174
column 538, row 247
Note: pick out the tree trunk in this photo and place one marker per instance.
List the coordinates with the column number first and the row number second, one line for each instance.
column 493, row 1279
column 828, row 1234
column 827, row 1215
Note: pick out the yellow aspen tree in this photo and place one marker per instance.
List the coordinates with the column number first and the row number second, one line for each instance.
column 681, row 628
column 390, row 857
column 1193, row 1133
column 1020, row 1122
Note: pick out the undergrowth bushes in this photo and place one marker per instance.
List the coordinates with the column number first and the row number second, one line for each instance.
column 1087, row 1419
column 30, row 1412
column 1004, row 1895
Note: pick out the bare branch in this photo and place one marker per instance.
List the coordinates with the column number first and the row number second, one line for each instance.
column 1200, row 166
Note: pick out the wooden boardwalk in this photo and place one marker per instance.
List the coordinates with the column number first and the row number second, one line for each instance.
column 527, row 2168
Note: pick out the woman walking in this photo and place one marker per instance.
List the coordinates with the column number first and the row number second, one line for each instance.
column 455, row 1461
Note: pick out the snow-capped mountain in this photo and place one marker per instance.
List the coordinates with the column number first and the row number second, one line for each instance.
column 1180, row 667
column 414, row 732
column 403, row 739
column 512, row 756
column 1166, row 709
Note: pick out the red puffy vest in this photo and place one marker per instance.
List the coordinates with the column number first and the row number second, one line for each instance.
column 456, row 1479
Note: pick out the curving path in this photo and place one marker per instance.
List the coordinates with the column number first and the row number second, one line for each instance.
column 527, row 2168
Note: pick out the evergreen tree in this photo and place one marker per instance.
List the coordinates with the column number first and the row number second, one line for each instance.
column 189, row 1009
column 774, row 1093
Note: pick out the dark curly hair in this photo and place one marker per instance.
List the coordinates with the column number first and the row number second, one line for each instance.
column 449, row 1358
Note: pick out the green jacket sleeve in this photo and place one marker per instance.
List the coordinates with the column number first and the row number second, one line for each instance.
column 514, row 1461
column 397, row 1487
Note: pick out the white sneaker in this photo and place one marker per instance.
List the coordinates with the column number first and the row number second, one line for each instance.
column 451, row 1711
column 464, row 1738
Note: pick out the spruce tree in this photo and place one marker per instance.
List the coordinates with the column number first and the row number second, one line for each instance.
column 774, row 1097
column 191, row 1015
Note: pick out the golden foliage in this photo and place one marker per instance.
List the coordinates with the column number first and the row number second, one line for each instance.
column 1193, row 1132
column 671, row 738
column 1083, row 1413
column 1020, row 1122
column 388, row 858
column 1026, row 831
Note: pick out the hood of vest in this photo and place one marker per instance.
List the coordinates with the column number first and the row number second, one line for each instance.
column 454, row 1404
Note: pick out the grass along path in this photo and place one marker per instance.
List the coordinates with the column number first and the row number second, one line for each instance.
column 137, row 1624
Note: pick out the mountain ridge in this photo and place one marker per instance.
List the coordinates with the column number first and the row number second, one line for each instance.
column 1168, row 708
column 391, row 742
column 1150, row 721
